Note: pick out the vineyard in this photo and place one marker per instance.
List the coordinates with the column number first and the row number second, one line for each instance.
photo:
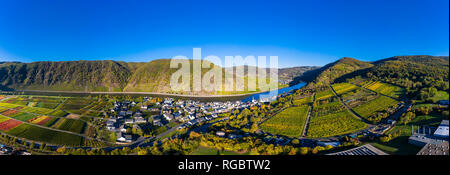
column 45, row 135
column 343, row 87
column 289, row 122
column 303, row 101
column 72, row 125
column 324, row 94
column 334, row 124
column 377, row 109
column 7, row 124
column 327, row 108
column 384, row 88
column 32, row 101
column 331, row 118
column 358, row 97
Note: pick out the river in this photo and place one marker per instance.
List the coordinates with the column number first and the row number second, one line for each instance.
column 274, row 93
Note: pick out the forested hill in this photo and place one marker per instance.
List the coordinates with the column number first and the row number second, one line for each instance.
column 105, row 76
column 415, row 73
column 330, row 72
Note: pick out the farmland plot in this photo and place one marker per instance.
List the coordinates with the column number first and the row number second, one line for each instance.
column 289, row 122
column 377, row 109
column 45, row 135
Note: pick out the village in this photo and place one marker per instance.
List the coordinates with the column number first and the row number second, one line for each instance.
column 185, row 113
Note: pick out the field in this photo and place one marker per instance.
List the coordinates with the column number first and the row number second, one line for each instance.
column 72, row 125
column 75, row 104
column 49, row 112
column 340, row 88
column 328, row 108
column 36, row 110
column 37, row 101
column 331, row 119
column 49, row 136
column 303, row 101
column 2, row 118
column 23, row 116
column 357, row 97
column 289, row 122
column 40, row 120
column 377, row 109
column 324, row 94
column 384, row 88
column 334, row 124
column 8, row 124
column 441, row 95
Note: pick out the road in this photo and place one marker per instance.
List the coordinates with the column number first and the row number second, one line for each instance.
column 348, row 108
column 305, row 128
column 141, row 93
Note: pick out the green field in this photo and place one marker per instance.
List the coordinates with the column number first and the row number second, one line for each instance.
column 441, row 95
column 303, row 101
column 2, row 118
column 289, row 122
column 340, row 88
column 334, row 124
column 375, row 110
column 36, row 110
column 328, row 108
column 10, row 105
column 45, row 135
column 72, row 125
column 23, row 116
column 324, row 94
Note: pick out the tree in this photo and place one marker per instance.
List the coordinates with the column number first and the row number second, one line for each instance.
column 295, row 142
column 303, row 150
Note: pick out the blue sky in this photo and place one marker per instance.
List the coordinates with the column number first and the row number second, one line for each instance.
column 298, row 32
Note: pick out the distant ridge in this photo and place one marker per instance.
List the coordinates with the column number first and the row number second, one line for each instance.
column 96, row 76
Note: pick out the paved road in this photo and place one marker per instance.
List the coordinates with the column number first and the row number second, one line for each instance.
column 143, row 93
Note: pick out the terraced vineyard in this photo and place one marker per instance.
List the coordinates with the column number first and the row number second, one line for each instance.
column 384, row 88
column 289, row 122
column 377, row 109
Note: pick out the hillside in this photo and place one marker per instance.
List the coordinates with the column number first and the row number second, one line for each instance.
column 330, row 72
column 103, row 76
column 412, row 72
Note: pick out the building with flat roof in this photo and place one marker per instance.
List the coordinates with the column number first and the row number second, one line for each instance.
column 364, row 150
column 442, row 130
column 434, row 149
column 437, row 137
